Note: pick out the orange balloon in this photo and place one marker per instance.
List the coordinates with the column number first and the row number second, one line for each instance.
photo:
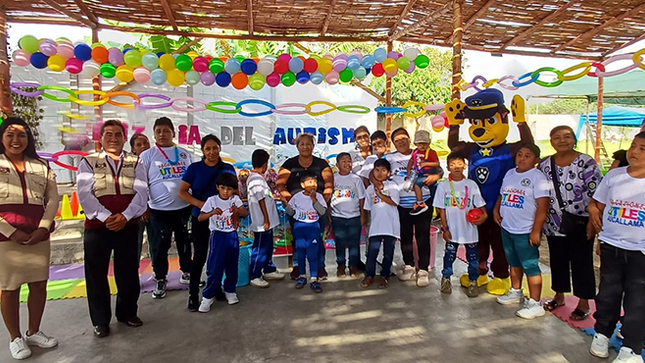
column 303, row 59
column 239, row 80
column 100, row 54
column 255, row 59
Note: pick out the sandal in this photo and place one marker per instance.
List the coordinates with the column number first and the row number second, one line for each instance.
column 578, row 315
column 383, row 283
column 551, row 305
column 367, row 282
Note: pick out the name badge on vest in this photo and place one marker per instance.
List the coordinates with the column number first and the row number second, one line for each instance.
column 5, row 171
column 101, row 166
column 128, row 165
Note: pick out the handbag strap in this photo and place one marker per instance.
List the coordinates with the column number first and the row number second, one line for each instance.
column 556, row 186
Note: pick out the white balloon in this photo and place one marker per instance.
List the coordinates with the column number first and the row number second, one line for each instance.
column 411, row 53
column 265, row 67
column 90, row 68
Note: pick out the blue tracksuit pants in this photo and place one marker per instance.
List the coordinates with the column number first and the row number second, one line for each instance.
column 262, row 252
column 223, row 255
column 307, row 236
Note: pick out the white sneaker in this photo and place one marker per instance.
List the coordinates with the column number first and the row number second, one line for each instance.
column 40, row 339
column 422, row 278
column 599, row 346
column 627, row 355
column 259, row 282
column 19, row 349
column 407, row 273
column 231, row 297
column 531, row 310
column 275, row 275
column 205, row 306
column 513, row 296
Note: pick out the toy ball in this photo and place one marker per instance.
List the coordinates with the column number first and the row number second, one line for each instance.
column 100, row 54
column 411, row 53
column 360, row 73
column 403, row 63
column 166, row 62
column 150, row 61
column 316, row 77
column 200, row 64
column 65, row 49
column 273, row 80
column 368, row 61
column 389, row 65
column 107, row 70
column 332, row 77
column 256, row 81
column 29, row 44
column 339, row 63
column 175, row 77
column 380, row 54
column 281, row 66
column 158, row 76
column 302, row 77
column 141, row 75
column 288, row 79
column 132, row 58
column 473, row 214
column 296, row 65
column 183, row 62
column 223, row 79
column 422, row 61
column 311, row 65
column 56, row 63
column 346, row 75
column 207, row 78
column 232, row 66
column 248, row 66
column 192, row 77
column 115, row 56
column 215, row 65
column 325, row 65
column 21, row 58
column 83, row 52
column 47, row 47
column 265, row 67
column 73, row 66
column 378, row 70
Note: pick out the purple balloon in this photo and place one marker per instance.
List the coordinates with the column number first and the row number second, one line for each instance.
column 394, row 55
column 115, row 56
column 207, row 78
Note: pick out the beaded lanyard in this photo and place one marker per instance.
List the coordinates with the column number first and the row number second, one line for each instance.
column 166, row 156
column 464, row 202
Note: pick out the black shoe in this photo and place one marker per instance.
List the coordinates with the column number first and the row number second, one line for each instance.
column 193, row 303
column 132, row 322
column 101, row 331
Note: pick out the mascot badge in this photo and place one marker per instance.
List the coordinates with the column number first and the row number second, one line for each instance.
column 489, row 157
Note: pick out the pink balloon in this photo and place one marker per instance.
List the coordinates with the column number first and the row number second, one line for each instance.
column 286, row 57
column 47, row 47
column 65, row 49
column 74, row 65
column 21, row 58
column 358, row 54
column 332, row 77
column 410, row 69
column 200, row 64
column 443, row 115
column 115, row 56
column 394, row 55
column 141, row 75
column 437, row 122
column 273, row 79
column 207, row 78
column 392, row 74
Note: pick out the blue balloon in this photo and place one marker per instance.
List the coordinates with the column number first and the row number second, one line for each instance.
column 126, row 50
column 368, row 61
column 159, row 54
column 302, row 77
column 367, row 71
column 353, row 62
column 248, row 66
column 316, row 77
column 158, row 76
column 231, row 66
column 223, row 79
column 150, row 61
column 83, row 52
column 296, row 65
column 380, row 54
column 360, row 73
column 39, row 60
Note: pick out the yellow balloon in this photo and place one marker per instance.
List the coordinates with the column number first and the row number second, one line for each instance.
column 167, row 62
column 56, row 63
column 389, row 65
column 437, row 129
column 325, row 66
column 175, row 77
column 124, row 73
column 192, row 54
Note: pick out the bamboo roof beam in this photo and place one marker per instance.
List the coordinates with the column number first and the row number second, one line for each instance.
column 599, row 28
column 474, row 18
column 422, row 22
column 614, row 50
column 325, row 25
column 249, row 14
column 168, row 11
column 86, row 11
column 74, row 16
column 404, row 13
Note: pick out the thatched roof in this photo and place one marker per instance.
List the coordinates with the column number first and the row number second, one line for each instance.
column 563, row 28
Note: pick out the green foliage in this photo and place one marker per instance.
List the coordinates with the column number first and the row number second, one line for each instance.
column 562, row 106
column 27, row 109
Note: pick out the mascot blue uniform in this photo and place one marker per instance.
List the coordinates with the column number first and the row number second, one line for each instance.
column 490, row 157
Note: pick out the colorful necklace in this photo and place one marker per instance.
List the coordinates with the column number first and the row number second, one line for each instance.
column 166, row 156
column 464, row 202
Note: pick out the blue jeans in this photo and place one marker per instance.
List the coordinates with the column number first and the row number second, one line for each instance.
column 262, row 253
column 451, row 254
column 347, row 235
column 306, row 239
column 223, row 255
column 372, row 254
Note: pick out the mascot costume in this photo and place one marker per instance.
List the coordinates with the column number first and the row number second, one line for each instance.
column 489, row 157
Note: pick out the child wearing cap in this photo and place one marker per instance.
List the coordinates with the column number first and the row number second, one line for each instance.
column 424, row 162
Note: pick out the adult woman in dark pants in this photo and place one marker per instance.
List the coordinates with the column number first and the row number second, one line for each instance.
column 138, row 144
column 577, row 175
column 197, row 185
column 289, row 184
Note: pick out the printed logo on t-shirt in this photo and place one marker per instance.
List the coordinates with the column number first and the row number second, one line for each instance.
column 168, row 171
column 307, row 216
column 457, row 201
column 344, row 191
column 377, row 199
column 223, row 222
column 626, row 213
column 513, row 198
column 525, row 182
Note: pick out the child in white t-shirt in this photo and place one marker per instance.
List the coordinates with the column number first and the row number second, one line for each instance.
column 521, row 212
column 223, row 212
column 384, row 226
column 347, row 214
column 461, row 208
column 617, row 211
column 264, row 217
column 378, row 141
column 306, row 207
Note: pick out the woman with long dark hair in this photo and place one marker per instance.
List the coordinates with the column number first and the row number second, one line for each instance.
column 28, row 205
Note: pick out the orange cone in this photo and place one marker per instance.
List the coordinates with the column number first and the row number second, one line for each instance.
column 74, row 204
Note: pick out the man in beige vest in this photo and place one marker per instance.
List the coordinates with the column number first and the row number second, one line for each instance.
column 112, row 190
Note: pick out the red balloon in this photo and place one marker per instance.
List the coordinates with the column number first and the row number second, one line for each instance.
column 473, row 214
column 311, row 65
column 281, row 66
column 378, row 70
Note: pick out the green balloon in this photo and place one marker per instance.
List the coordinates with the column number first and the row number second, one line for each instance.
column 29, row 44
column 192, row 78
column 346, row 75
column 215, row 65
column 288, row 79
column 403, row 63
column 183, row 62
column 132, row 58
column 107, row 70
column 240, row 58
column 422, row 61
column 256, row 81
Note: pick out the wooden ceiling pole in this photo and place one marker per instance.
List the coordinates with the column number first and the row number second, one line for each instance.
column 599, row 120
column 404, row 13
column 86, row 11
column 96, row 85
column 457, row 36
column 421, row 23
column 474, row 18
column 624, row 45
column 5, row 74
column 74, row 16
column 171, row 18
column 249, row 14
column 388, row 100
column 599, row 28
column 325, row 25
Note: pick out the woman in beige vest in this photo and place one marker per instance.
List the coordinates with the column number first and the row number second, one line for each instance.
column 28, row 205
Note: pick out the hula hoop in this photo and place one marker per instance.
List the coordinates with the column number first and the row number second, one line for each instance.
column 598, row 66
column 585, row 65
column 416, row 114
column 99, row 102
column 280, row 109
column 638, row 59
column 510, row 87
column 618, row 71
column 14, row 88
column 188, row 99
column 135, row 98
column 331, row 108
column 357, row 109
column 56, row 88
column 138, row 104
column 211, row 107
column 67, row 152
column 255, row 102
column 533, row 78
column 385, row 109
column 47, row 156
column 555, row 83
